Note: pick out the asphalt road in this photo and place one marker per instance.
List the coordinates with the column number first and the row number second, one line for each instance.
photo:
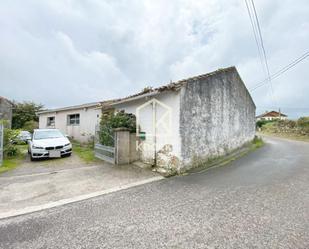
column 258, row 201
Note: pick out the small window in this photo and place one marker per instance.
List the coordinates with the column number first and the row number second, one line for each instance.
column 73, row 119
column 50, row 121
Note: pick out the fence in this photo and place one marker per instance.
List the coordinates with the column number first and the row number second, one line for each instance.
column 119, row 149
column 107, row 151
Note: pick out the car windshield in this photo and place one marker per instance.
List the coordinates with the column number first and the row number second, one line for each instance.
column 47, row 134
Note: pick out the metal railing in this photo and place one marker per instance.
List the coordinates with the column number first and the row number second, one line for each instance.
column 103, row 151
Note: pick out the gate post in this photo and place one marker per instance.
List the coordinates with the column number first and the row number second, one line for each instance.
column 122, row 145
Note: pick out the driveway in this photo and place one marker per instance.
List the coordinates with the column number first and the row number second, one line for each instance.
column 258, row 201
column 48, row 183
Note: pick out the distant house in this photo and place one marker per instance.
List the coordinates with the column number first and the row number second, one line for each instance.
column 272, row 115
column 6, row 107
column 78, row 121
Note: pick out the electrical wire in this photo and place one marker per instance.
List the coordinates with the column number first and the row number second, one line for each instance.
column 281, row 71
column 263, row 49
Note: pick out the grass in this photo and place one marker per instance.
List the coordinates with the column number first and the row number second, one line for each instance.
column 85, row 152
column 257, row 143
column 288, row 136
column 10, row 163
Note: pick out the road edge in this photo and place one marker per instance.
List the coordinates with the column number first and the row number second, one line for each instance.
column 62, row 202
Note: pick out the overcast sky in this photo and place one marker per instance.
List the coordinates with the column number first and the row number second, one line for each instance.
column 62, row 52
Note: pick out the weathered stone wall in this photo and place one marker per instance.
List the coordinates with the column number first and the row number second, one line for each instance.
column 217, row 115
column 6, row 110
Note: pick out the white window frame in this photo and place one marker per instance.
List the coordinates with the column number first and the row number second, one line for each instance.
column 75, row 119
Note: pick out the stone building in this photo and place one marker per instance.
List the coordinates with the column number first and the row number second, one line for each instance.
column 191, row 120
column 6, row 107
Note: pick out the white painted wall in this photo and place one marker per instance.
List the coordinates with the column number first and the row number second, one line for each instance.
column 272, row 118
column 89, row 118
column 171, row 99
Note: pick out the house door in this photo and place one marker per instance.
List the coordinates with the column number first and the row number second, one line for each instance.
column 153, row 121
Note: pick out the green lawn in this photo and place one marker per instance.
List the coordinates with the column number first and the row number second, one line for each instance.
column 13, row 162
column 85, row 152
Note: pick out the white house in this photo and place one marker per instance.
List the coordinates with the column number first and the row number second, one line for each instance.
column 78, row 121
column 189, row 121
column 272, row 115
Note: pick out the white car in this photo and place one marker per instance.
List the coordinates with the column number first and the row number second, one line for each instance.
column 48, row 143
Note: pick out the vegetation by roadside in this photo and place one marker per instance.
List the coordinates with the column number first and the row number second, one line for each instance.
column 297, row 130
column 84, row 151
column 11, row 162
column 288, row 136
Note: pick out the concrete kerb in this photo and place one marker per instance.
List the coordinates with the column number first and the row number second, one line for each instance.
column 33, row 209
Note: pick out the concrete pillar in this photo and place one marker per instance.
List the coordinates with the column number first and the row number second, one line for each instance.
column 122, row 145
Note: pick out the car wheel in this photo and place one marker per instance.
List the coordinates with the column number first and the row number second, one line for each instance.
column 32, row 158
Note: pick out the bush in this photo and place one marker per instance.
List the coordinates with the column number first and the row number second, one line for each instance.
column 30, row 126
column 111, row 121
column 261, row 123
column 299, row 127
column 10, row 149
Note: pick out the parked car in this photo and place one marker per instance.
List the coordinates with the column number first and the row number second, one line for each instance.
column 48, row 143
column 24, row 136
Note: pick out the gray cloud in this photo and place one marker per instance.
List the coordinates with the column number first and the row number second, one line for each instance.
column 70, row 52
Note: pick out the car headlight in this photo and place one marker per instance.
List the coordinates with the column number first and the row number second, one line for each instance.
column 67, row 144
column 37, row 147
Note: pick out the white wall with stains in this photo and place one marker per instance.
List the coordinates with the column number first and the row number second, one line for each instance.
column 162, row 139
column 89, row 118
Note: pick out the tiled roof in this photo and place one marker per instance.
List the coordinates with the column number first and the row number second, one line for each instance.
column 87, row 105
column 173, row 86
column 272, row 114
column 3, row 98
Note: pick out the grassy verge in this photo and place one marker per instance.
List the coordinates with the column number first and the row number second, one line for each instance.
column 85, row 152
column 292, row 136
column 10, row 163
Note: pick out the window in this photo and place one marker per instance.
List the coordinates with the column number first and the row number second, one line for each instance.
column 73, row 119
column 50, row 121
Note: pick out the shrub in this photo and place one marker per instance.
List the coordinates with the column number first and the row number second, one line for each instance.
column 9, row 148
column 261, row 123
column 111, row 121
column 30, row 126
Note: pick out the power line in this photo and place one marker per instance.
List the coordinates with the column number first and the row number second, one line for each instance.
column 254, row 28
column 281, row 71
column 263, row 49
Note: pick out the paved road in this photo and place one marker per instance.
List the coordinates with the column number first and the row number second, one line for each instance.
column 259, row 201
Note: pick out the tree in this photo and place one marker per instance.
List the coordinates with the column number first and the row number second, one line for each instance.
column 25, row 112
column 30, row 126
